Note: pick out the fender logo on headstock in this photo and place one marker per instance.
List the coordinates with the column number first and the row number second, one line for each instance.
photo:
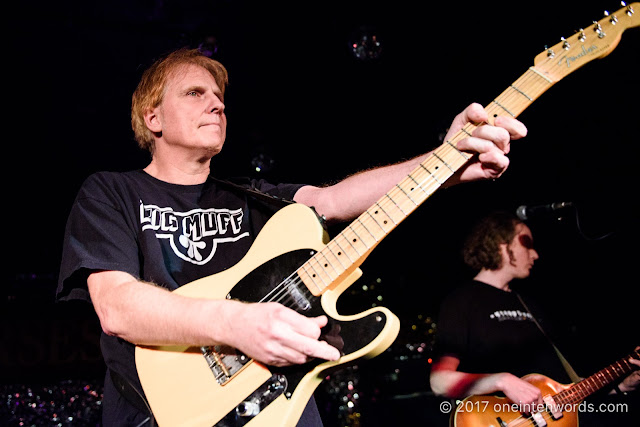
column 585, row 51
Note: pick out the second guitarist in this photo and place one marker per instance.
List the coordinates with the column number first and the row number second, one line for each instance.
column 486, row 338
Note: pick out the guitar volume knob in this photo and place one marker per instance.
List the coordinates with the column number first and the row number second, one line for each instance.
column 248, row 409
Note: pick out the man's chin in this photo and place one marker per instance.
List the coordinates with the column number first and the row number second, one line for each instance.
column 212, row 151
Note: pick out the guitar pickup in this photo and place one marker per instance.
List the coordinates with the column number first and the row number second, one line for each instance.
column 552, row 407
column 223, row 366
column 538, row 419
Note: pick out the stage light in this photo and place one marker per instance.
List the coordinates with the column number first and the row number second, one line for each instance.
column 262, row 162
column 365, row 43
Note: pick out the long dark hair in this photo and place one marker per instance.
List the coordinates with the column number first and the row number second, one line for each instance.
column 481, row 248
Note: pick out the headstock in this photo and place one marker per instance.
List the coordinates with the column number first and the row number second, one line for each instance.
column 596, row 41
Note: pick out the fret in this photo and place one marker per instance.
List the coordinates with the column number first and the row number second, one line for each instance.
column 599, row 376
column 318, row 274
column 535, row 83
column 328, row 263
column 367, row 229
column 586, row 388
column 395, row 204
column 443, row 162
column 376, row 221
column 385, row 212
column 464, row 156
column 407, row 195
column 357, row 238
column 436, row 162
column 454, row 159
column 521, row 93
column 428, row 188
column 312, row 278
column 335, row 257
column 541, row 75
column 418, row 184
column 340, row 252
column 350, row 243
column 620, row 367
column 606, row 371
column 430, row 174
column 503, row 107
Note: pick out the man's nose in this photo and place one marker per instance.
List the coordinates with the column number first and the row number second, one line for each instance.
column 216, row 105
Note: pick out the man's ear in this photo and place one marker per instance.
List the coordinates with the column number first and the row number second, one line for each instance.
column 152, row 120
column 507, row 254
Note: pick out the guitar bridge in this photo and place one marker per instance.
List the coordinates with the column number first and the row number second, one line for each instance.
column 223, row 366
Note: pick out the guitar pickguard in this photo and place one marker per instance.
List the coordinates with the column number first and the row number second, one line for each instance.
column 348, row 336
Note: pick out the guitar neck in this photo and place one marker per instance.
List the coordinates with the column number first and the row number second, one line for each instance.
column 597, row 381
column 349, row 248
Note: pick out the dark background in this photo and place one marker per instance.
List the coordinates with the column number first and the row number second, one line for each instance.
column 300, row 97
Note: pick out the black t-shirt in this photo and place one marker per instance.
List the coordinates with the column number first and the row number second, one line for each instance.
column 158, row 232
column 490, row 331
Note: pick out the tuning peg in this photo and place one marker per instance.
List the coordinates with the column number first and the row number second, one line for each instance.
column 550, row 52
column 565, row 44
column 598, row 29
column 629, row 9
column 613, row 19
column 582, row 36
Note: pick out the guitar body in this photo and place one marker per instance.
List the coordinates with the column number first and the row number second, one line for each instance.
column 485, row 410
column 179, row 382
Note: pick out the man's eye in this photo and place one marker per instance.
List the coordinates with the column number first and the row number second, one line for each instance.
column 192, row 93
column 526, row 241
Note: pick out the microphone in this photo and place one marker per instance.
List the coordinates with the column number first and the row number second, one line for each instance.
column 527, row 212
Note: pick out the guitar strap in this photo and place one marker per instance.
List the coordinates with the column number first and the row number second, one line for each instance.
column 269, row 198
column 565, row 364
column 133, row 396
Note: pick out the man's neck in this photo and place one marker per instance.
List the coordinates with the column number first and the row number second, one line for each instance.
column 177, row 171
column 494, row 278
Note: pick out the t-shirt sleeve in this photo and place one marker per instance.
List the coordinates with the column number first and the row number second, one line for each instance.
column 98, row 236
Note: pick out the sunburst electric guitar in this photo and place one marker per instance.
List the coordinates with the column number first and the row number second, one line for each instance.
column 561, row 402
column 292, row 261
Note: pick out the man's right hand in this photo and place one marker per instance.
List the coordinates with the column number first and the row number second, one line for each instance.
column 276, row 335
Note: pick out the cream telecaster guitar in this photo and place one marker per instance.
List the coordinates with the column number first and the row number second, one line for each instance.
column 293, row 262
column 561, row 402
